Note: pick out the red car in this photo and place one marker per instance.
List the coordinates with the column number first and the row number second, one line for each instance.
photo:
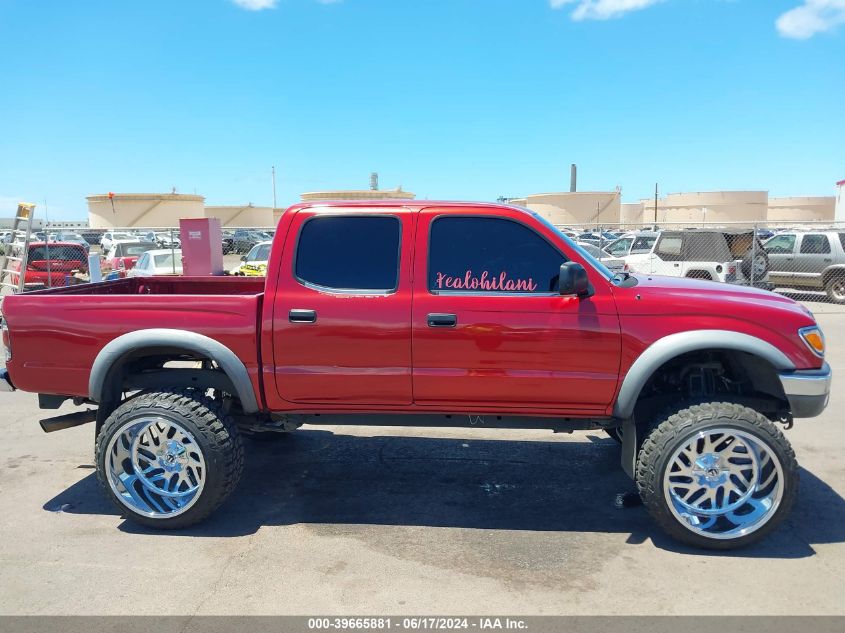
column 123, row 255
column 431, row 314
column 49, row 264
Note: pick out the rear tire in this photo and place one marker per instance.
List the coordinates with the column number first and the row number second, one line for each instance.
column 168, row 459
column 835, row 288
column 717, row 475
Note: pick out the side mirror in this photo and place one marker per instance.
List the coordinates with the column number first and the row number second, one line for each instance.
column 573, row 280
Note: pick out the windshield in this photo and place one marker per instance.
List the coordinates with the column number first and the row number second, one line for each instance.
column 130, row 250
column 259, row 253
column 67, row 253
column 167, row 260
column 589, row 259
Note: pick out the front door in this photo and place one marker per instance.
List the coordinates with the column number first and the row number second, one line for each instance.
column 341, row 318
column 490, row 329
column 781, row 252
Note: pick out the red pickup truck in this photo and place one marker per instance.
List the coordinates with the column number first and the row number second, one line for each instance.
column 430, row 314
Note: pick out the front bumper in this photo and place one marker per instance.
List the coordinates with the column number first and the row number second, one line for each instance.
column 807, row 390
column 5, row 382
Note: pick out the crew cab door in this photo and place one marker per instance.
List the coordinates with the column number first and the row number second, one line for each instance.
column 491, row 331
column 342, row 309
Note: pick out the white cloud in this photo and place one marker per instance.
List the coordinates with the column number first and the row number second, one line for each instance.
column 602, row 9
column 814, row 16
column 256, row 5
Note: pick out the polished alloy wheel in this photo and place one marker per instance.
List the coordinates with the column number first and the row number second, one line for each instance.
column 155, row 467
column 723, row 483
column 837, row 289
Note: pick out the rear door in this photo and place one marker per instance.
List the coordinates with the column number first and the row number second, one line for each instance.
column 342, row 309
column 814, row 255
column 490, row 329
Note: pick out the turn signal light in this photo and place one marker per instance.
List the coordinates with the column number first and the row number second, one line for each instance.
column 814, row 339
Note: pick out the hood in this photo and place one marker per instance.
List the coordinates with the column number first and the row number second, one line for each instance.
column 676, row 296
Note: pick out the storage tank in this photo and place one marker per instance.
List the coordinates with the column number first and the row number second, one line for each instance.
column 632, row 215
column 709, row 207
column 142, row 210
column 802, row 209
column 577, row 208
column 241, row 215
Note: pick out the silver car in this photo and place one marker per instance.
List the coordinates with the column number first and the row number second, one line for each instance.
column 614, row 264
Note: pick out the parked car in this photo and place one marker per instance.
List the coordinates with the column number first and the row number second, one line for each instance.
column 49, row 264
column 123, row 255
column 157, row 262
column 110, row 237
column 808, row 261
column 254, row 263
column 430, row 314
column 74, row 238
column 228, row 242
column 168, row 239
column 244, row 239
column 614, row 264
column 717, row 255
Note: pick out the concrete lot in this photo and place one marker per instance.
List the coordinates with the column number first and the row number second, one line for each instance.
column 382, row 521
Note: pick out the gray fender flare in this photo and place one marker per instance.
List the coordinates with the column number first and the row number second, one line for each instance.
column 669, row 347
column 123, row 345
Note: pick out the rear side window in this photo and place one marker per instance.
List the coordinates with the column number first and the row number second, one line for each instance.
column 490, row 255
column 669, row 247
column 349, row 252
column 815, row 244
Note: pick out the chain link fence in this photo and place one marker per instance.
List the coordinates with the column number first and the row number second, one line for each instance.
column 804, row 260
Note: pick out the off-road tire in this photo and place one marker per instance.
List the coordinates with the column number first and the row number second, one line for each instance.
column 673, row 430
column 215, row 433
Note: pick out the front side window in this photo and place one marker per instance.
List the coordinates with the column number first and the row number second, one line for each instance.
column 349, row 252
column 490, row 255
column 780, row 245
column 815, row 244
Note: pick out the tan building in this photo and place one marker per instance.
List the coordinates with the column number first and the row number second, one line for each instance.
column 142, row 209
column 358, row 194
column 574, row 208
column 802, row 209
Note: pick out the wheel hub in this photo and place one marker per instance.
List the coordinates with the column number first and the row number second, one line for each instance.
column 155, row 467
column 723, row 483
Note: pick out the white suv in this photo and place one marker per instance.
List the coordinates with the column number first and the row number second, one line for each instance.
column 717, row 255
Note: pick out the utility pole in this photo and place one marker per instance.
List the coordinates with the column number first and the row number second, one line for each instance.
column 655, row 203
column 274, row 186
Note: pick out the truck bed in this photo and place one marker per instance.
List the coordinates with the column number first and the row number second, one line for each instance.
column 59, row 332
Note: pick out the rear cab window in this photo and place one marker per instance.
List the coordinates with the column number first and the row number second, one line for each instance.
column 349, row 253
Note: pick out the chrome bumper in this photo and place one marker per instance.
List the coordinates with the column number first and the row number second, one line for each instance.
column 807, row 390
column 5, row 383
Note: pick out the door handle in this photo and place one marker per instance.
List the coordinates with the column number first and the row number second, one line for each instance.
column 827, row 259
column 442, row 320
column 677, row 265
column 302, row 316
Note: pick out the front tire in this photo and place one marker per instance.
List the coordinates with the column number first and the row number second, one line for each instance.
column 168, row 459
column 717, row 475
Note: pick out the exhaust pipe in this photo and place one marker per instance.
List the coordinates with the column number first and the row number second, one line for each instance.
column 68, row 421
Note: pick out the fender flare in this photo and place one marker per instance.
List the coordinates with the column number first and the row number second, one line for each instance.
column 117, row 349
column 668, row 347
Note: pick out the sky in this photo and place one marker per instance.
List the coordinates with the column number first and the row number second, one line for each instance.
column 451, row 99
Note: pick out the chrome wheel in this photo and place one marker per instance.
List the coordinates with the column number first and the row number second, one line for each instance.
column 155, row 467
column 836, row 289
column 723, row 483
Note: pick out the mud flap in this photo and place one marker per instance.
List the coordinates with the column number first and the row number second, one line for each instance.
column 629, row 447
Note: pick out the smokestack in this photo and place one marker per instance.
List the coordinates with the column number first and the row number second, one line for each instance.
column 573, row 178
column 374, row 181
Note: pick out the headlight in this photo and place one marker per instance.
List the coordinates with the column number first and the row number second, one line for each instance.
column 813, row 338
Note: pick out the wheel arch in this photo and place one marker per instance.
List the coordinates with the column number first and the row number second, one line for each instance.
column 675, row 345
column 113, row 357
